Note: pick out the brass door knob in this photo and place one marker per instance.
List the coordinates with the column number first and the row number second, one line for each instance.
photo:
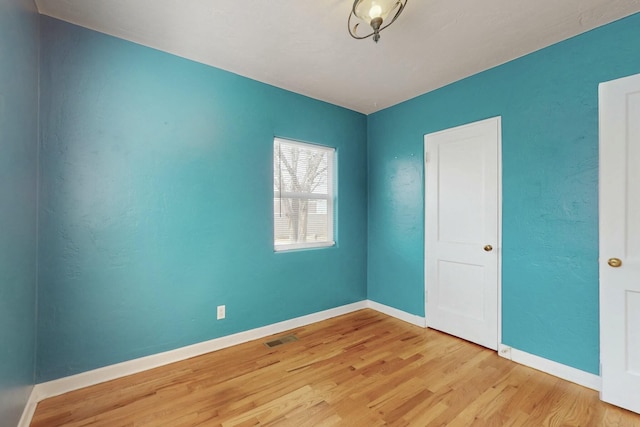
column 614, row 262
column 488, row 248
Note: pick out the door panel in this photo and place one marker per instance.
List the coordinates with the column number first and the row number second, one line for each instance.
column 456, row 296
column 458, row 167
column 620, row 240
column 633, row 332
column 461, row 218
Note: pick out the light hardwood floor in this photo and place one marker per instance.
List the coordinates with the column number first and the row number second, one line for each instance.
column 361, row 369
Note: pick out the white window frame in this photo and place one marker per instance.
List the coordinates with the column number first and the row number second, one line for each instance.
column 330, row 197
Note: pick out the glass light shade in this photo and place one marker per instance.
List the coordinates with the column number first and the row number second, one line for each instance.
column 370, row 9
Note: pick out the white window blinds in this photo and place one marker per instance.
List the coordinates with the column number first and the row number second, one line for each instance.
column 303, row 196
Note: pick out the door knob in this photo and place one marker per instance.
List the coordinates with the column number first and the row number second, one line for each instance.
column 614, row 262
column 488, row 248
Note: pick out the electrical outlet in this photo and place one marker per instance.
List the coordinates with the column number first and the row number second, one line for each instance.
column 222, row 312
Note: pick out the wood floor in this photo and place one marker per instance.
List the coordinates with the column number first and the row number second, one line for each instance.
column 361, row 369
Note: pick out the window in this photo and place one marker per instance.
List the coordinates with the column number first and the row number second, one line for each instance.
column 303, row 195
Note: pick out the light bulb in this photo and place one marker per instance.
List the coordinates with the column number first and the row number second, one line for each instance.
column 375, row 11
column 367, row 10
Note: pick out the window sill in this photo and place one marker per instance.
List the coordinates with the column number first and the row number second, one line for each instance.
column 303, row 246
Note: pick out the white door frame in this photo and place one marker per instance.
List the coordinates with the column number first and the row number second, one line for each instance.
column 498, row 249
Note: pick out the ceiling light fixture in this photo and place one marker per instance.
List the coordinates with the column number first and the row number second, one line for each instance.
column 375, row 13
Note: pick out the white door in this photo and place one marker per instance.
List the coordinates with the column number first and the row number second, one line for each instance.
column 620, row 242
column 462, row 242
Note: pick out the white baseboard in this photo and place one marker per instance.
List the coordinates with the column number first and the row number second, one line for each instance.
column 556, row 369
column 111, row 372
column 29, row 409
column 398, row 314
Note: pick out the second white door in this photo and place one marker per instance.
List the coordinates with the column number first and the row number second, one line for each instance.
column 620, row 242
column 462, row 241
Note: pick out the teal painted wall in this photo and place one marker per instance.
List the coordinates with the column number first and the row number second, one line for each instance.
column 157, row 201
column 18, row 204
column 548, row 101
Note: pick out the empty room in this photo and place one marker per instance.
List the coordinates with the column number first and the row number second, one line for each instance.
column 305, row 213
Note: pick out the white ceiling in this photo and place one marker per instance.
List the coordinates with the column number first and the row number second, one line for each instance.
column 304, row 46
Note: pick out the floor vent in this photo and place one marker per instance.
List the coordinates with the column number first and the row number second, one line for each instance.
column 280, row 341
